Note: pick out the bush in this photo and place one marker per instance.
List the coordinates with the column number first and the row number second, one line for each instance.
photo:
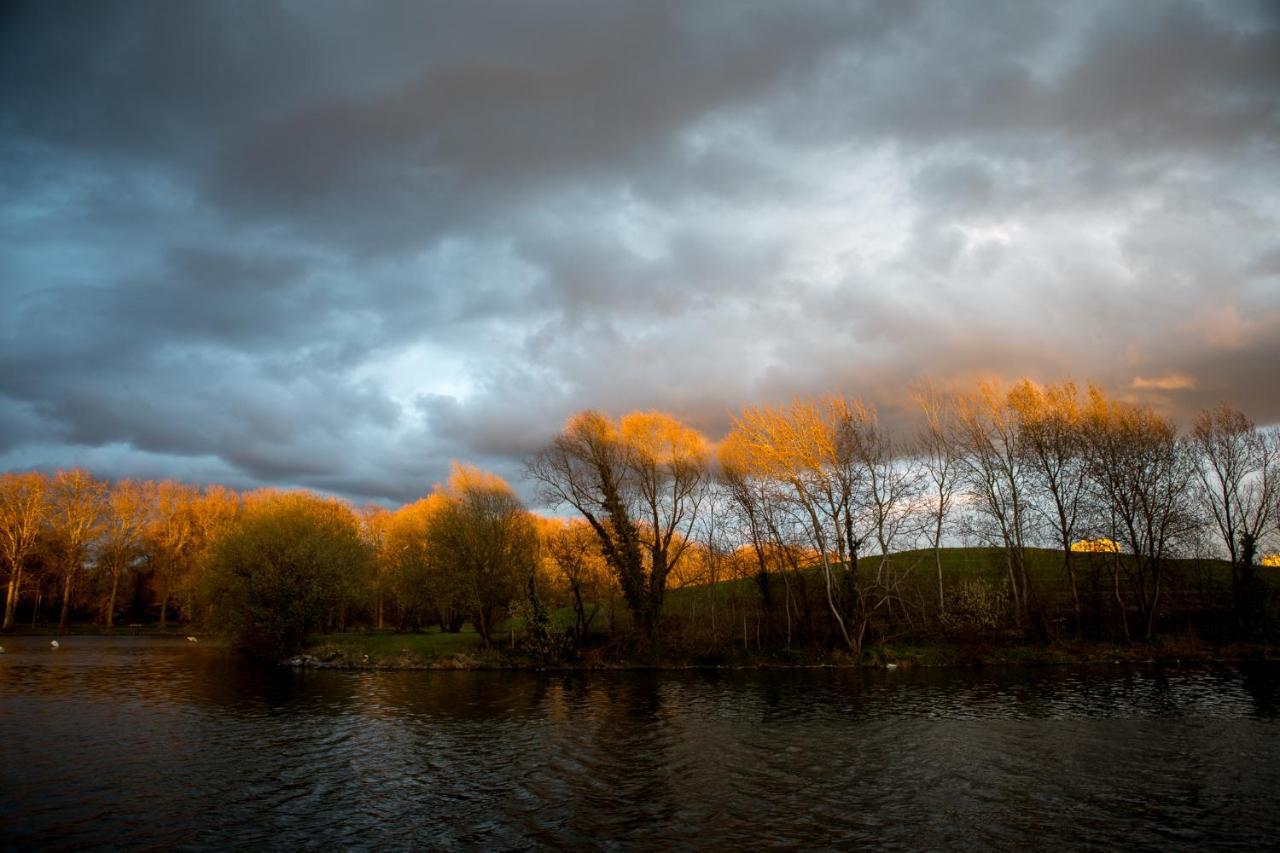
column 285, row 565
column 976, row 606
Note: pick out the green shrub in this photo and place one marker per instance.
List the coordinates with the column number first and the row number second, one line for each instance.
column 286, row 564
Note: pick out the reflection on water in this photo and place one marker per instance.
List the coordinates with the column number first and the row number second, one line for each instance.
column 117, row 742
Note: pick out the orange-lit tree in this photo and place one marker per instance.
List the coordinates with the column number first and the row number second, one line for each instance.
column 24, row 505
column 486, row 541
column 170, row 538
column 809, row 449
column 639, row 483
column 129, row 508
column 1141, row 471
column 574, row 551
column 78, row 504
column 1051, row 436
column 994, row 466
column 941, row 472
column 282, row 569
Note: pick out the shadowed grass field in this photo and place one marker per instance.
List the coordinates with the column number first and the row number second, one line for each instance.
column 1190, row 584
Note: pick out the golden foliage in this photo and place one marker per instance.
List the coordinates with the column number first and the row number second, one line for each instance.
column 1101, row 545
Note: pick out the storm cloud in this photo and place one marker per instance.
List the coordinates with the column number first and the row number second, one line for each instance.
column 337, row 245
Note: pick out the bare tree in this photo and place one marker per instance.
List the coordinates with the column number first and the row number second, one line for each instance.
column 1051, row 437
column 993, row 465
column 941, row 464
column 639, row 483
column 890, row 487
column 761, row 506
column 1238, row 474
column 1142, row 472
column 809, row 448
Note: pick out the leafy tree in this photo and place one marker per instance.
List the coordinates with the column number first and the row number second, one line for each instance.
column 78, row 504
column 171, row 538
column 484, row 541
column 129, row 506
column 23, row 507
column 286, row 564
column 574, row 551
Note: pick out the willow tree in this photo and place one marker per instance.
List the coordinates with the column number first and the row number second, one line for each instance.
column 639, row 483
column 281, row 568
column 482, row 537
column 422, row 590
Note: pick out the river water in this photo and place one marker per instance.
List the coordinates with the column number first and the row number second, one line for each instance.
column 162, row 744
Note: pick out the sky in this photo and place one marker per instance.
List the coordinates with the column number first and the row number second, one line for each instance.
column 337, row 245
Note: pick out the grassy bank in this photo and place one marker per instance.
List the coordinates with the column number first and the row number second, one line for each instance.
column 718, row 625
column 91, row 630
column 435, row 650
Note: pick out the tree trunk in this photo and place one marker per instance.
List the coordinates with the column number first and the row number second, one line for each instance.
column 1075, row 590
column 1115, row 578
column 11, row 600
column 942, row 601
column 111, row 603
column 66, row 602
column 1013, row 585
column 1156, row 577
column 164, row 602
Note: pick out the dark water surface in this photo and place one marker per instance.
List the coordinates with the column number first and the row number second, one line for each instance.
column 148, row 743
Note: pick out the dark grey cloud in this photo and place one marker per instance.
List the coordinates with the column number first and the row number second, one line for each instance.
column 338, row 245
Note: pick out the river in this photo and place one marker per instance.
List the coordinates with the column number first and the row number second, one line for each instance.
column 163, row 744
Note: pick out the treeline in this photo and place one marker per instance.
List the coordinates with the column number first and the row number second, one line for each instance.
column 834, row 526
column 823, row 493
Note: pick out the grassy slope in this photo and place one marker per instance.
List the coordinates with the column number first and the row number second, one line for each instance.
column 462, row 650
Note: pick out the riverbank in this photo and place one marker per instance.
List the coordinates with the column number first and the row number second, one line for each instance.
column 83, row 630
column 463, row 652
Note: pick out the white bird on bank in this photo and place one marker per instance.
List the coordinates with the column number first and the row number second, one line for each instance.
column 54, row 645
column 192, row 640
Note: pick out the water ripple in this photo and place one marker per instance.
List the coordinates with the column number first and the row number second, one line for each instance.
column 146, row 744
